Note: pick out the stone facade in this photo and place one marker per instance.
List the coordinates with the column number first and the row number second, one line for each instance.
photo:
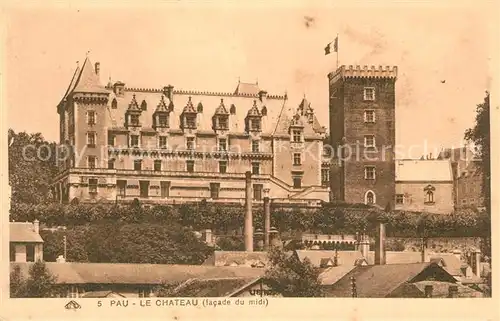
column 470, row 187
column 362, row 121
column 165, row 145
column 425, row 186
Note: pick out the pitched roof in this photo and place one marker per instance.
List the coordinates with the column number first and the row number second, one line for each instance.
column 440, row 289
column 427, row 170
column 241, row 258
column 333, row 274
column 379, row 281
column 316, row 256
column 23, row 232
column 219, row 287
column 247, row 89
column 101, row 294
column 123, row 273
column 88, row 81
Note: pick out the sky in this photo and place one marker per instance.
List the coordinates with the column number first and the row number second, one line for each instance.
column 210, row 47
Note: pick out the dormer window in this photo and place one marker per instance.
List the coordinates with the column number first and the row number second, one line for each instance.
column 188, row 116
column 221, row 117
column 161, row 115
column 253, row 120
column 133, row 113
column 296, row 135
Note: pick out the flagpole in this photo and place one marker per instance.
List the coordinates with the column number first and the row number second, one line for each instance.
column 337, row 40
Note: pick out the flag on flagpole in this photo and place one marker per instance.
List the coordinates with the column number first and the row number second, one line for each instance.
column 332, row 46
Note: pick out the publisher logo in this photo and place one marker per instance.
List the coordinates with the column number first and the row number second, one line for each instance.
column 72, row 305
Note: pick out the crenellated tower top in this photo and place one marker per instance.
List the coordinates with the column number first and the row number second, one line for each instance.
column 358, row 71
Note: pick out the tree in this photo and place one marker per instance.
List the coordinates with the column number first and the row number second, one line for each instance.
column 32, row 165
column 480, row 137
column 17, row 283
column 41, row 283
column 291, row 277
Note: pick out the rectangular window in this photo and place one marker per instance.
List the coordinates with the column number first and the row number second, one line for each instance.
column 91, row 139
column 369, row 141
column 157, row 165
column 134, row 120
column 144, row 188
column 91, row 162
column 399, row 198
column 93, row 185
column 223, row 167
column 163, row 120
column 144, row 293
column 134, row 140
column 464, row 201
column 297, row 182
column 369, row 116
column 325, row 176
column 162, row 142
column 190, row 166
column 122, row 187
column 12, row 249
column 111, row 140
column 297, row 136
column 222, row 144
column 370, row 172
column 91, row 117
column 137, row 165
column 257, row 192
column 190, row 121
column 255, row 124
column 214, row 190
column 255, row 168
column 165, row 189
column 111, row 164
column 190, row 143
column 255, row 146
column 369, row 93
column 297, row 159
column 223, row 123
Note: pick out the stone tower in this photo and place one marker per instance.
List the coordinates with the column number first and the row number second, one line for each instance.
column 362, row 127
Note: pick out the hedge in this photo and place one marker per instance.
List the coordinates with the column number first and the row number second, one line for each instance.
column 330, row 219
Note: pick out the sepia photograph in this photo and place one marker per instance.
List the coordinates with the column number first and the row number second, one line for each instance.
column 198, row 155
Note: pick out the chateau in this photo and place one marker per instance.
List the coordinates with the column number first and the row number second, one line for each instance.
column 165, row 145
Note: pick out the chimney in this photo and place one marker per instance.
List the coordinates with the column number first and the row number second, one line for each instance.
column 380, row 245
column 248, row 213
column 267, row 219
column 453, row 291
column 169, row 92
column 428, row 291
column 97, row 68
column 424, row 250
column 262, row 96
column 476, row 263
column 36, row 226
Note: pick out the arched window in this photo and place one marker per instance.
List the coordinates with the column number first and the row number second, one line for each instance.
column 370, row 197
column 144, row 105
column 114, row 104
column 199, row 108
column 429, row 197
column 264, row 111
column 429, row 194
column 232, row 109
